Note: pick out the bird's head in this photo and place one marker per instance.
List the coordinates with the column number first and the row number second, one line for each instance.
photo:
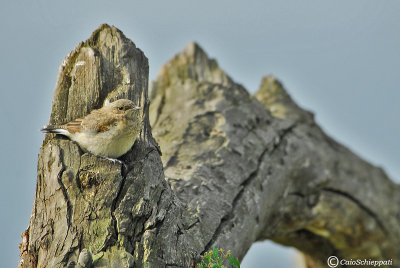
column 124, row 107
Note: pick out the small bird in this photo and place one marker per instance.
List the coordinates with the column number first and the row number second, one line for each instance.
column 109, row 131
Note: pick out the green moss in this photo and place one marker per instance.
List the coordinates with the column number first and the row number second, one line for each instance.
column 100, row 232
column 113, row 257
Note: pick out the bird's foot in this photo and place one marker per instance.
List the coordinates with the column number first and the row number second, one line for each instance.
column 115, row 160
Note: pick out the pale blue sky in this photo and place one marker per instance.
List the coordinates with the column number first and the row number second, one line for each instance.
column 340, row 59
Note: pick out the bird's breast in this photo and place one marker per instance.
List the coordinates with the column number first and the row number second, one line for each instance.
column 113, row 142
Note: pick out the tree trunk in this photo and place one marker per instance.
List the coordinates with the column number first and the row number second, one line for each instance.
column 235, row 169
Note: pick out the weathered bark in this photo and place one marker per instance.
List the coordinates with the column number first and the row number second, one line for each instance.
column 237, row 169
column 84, row 202
column 252, row 176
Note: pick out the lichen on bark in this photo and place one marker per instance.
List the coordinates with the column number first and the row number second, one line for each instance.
column 235, row 169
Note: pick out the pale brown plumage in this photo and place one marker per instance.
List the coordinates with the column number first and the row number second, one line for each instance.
column 109, row 131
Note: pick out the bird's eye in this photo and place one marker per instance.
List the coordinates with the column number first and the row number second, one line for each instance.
column 120, row 108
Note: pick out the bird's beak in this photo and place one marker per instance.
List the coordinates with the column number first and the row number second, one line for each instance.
column 136, row 108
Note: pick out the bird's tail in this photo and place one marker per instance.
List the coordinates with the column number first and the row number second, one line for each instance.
column 54, row 129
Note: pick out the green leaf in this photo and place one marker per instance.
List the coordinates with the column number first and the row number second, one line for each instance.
column 215, row 253
column 234, row 262
column 237, row 263
column 208, row 258
column 231, row 259
column 202, row 264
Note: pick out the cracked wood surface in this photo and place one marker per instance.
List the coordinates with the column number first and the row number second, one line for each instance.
column 237, row 169
column 85, row 203
column 258, row 167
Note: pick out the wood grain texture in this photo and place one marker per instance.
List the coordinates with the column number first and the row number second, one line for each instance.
column 235, row 169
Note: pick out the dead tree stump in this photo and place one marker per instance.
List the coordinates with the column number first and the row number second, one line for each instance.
column 235, row 169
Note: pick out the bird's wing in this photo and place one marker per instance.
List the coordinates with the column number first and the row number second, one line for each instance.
column 74, row 126
column 98, row 122
column 105, row 124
